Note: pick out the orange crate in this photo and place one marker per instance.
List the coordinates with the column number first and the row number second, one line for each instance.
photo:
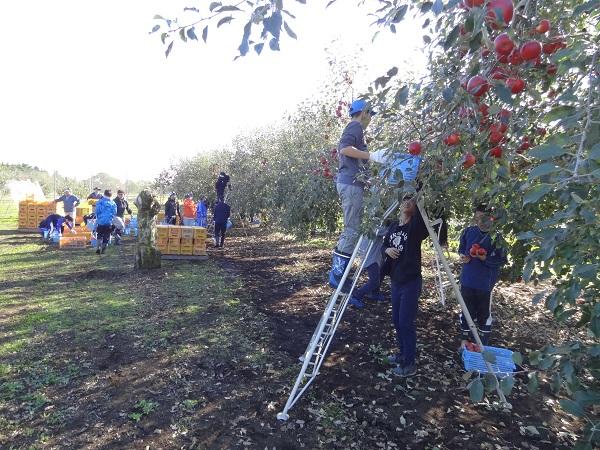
column 72, row 242
column 162, row 241
column 200, row 233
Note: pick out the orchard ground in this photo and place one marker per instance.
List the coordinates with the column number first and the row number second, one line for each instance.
column 202, row 355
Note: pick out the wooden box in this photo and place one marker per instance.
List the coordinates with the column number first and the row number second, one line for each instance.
column 162, row 231
column 200, row 233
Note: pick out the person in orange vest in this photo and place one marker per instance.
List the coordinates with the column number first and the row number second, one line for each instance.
column 189, row 211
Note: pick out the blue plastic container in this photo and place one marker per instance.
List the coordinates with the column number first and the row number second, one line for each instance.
column 403, row 167
column 504, row 364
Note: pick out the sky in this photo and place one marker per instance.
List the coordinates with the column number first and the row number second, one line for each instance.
column 85, row 88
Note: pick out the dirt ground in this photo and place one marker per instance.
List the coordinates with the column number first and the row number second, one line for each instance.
column 199, row 369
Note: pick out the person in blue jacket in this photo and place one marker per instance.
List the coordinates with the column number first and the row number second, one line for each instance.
column 201, row 212
column 482, row 258
column 221, row 215
column 55, row 222
column 106, row 210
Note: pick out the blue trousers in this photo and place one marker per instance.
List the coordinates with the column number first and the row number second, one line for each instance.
column 372, row 286
column 405, row 303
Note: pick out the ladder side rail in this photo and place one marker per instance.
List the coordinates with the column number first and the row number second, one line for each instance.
column 459, row 297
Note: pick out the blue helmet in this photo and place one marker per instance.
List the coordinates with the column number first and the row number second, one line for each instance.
column 359, row 105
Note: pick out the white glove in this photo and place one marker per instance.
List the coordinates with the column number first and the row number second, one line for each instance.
column 379, row 156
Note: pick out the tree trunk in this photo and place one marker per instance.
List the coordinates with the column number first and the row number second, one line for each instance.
column 147, row 256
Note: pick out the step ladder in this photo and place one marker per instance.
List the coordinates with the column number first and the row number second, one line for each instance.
column 441, row 279
column 323, row 335
column 319, row 343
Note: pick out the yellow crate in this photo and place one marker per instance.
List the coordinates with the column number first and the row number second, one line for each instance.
column 162, row 241
column 186, row 251
column 174, row 232
column 187, row 232
column 187, row 242
column 199, row 252
column 200, row 233
column 163, row 249
column 162, row 231
column 174, row 241
column 173, row 250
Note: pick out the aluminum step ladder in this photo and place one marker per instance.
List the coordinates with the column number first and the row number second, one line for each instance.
column 319, row 343
column 441, row 281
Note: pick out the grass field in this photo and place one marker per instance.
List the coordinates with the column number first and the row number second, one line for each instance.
column 66, row 315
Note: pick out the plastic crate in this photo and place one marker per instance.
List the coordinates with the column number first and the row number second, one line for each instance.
column 504, row 364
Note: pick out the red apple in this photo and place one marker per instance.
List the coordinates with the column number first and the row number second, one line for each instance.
column 506, row 13
column 468, row 160
column 543, row 26
column 496, row 152
column 515, row 58
column 477, row 86
column 515, row 85
column 551, row 69
column 549, row 48
column 503, row 44
column 472, row 3
column 414, row 148
column 452, row 139
column 531, row 50
column 481, row 252
column 483, row 109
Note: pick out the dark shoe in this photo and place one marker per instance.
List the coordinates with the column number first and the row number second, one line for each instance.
column 103, row 249
column 356, row 303
column 379, row 297
column 405, row 371
column 98, row 251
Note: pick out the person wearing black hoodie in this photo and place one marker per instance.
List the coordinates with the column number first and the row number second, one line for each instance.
column 122, row 204
column 221, row 215
column 172, row 210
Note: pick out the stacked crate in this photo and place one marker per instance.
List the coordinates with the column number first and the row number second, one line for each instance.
column 72, row 241
column 162, row 238
column 80, row 211
column 31, row 212
column 180, row 240
column 200, row 236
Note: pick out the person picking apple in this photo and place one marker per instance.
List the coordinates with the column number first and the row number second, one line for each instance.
column 481, row 258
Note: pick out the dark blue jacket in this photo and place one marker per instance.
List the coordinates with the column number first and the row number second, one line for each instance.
column 56, row 220
column 477, row 274
column 222, row 212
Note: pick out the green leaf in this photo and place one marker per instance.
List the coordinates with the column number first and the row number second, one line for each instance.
column 392, row 72
column 158, row 17
column 425, row 7
column 163, row 37
column 475, row 42
column 507, row 384
column 289, row 31
column 228, row 8
column 546, row 151
column 526, row 235
column 503, row 93
column 168, row 51
column 586, row 270
column 517, row 358
column 558, row 113
column 402, row 95
column 476, row 390
column 451, row 37
column 400, row 14
column 533, row 384
column 536, row 193
column 182, row 35
column 214, row 5
column 426, row 39
column 543, row 169
column 586, row 7
column 595, row 152
column 224, row 20
column 437, row 7
column 469, row 23
column 205, row 33
column 448, row 94
column 572, row 407
column 489, row 356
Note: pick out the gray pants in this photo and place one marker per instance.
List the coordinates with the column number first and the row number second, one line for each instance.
column 352, row 206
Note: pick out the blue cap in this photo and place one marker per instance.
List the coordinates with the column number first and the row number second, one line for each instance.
column 358, row 106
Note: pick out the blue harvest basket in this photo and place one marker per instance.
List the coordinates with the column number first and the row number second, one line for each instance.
column 504, row 364
column 403, row 167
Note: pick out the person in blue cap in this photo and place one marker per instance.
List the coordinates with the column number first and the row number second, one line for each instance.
column 353, row 161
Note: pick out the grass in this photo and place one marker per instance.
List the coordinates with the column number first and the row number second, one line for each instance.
column 59, row 307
